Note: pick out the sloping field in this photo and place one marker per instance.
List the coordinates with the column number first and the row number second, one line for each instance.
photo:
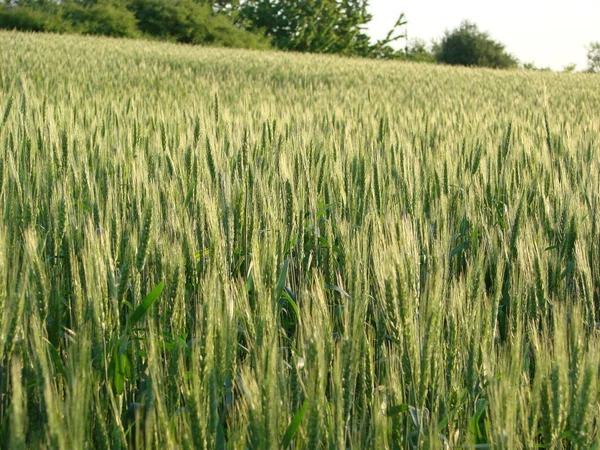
column 206, row 248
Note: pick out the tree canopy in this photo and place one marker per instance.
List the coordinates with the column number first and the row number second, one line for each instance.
column 185, row 21
column 468, row 46
column 317, row 26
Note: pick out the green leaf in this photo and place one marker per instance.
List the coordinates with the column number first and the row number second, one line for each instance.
column 83, row 205
column 285, row 296
column 474, row 423
column 398, row 409
column 323, row 208
column 333, row 287
column 292, row 429
column 143, row 307
column 7, row 111
column 459, row 249
column 282, row 278
column 249, row 284
column 124, row 365
column 444, row 422
column 120, row 367
column 56, row 359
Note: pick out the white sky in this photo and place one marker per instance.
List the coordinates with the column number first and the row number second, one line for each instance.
column 548, row 33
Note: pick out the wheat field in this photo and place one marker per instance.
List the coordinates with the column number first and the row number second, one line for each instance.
column 206, row 248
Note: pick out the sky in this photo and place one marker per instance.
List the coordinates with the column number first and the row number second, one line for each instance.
column 548, row 33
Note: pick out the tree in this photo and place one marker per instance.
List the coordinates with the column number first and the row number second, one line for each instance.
column 23, row 19
column 593, row 57
column 468, row 46
column 300, row 25
column 317, row 26
column 101, row 17
column 191, row 22
column 187, row 21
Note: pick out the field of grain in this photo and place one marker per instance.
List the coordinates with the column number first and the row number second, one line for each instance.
column 208, row 248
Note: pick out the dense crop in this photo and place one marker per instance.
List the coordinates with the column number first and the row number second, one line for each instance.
column 205, row 248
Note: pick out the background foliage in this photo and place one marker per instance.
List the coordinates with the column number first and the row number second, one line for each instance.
column 184, row 21
column 313, row 26
column 468, row 46
column 319, row 26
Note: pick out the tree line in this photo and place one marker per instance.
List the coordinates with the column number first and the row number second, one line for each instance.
column 315, row 26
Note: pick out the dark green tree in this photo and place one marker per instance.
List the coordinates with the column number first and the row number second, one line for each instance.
column 188, row 21
column 100, row 17
column 468, row 46
column 191, row 22
column 298, row 25
column 317, row 26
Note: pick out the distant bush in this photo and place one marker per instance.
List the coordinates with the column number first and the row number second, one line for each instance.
column 417, row 50
column 167, row 20
column 23, row 19
column 530, row 66
column 184, row 21
column 468, row 46
column 189, row 22
column 103, row 18
column 222, row 32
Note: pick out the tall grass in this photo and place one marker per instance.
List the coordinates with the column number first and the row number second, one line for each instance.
column 204, row 248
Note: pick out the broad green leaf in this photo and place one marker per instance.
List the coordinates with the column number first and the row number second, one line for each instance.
column 458, row 249
column 282, row 278
column 56, row 359
column 292, row 429
column 143, row 307
column 121, row 370
column 442, row 424
column 292, row 303
column 474, row 422
column 249, row 284
column 337, row 289
column 398, row 409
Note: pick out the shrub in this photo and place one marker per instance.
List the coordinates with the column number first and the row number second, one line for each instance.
column 468, row 46
column 23, row 19
column 184, row 21
column 189, row 22
column 104, row 18
column 162, row 19
column 223, row 33
column 417, row 50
